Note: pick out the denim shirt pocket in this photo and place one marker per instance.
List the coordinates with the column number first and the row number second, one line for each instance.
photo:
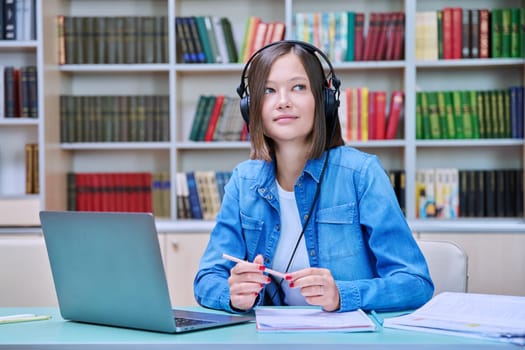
column 339, row 232
column 252, row 229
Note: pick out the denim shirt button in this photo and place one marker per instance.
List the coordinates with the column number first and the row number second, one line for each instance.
column 312, row 252
column 305, row 217
column 270, row 197
column 277, row 227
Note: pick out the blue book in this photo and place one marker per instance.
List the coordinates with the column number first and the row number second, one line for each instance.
column 195, row 204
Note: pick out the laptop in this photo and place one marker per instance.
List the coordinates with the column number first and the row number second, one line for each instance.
column 107, row 269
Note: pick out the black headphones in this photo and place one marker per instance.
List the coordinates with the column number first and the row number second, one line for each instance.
column 330, row 88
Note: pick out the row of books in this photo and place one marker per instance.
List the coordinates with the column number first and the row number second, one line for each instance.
column 448, row 193
column 341, row 35
column 367, row 115
column 17, row 20
column 218, row 118
column 200, row 193
column 112, row 40
column 259, row 33
column 18, row 92
column 32, row 168
column 455, row 32
column 470, row 114
column 108, row 118
column 398, row 181
column 123, row 191
column 205, row 39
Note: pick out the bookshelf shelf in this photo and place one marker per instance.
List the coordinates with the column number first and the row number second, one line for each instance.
column 116, row 146
column 190, row 145
column 470, row 143
column 18, row 122
column 122, row 68
column 471, row 62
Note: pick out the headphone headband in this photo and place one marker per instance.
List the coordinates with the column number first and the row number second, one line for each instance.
column 330, row 91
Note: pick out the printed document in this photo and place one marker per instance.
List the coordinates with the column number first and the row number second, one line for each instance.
column 496, row 317
column 294, row 319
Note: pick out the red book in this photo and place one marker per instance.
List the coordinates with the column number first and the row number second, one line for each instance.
column 457, row 31
column 484, row 34
column 214, row 117
column 380, row 115
column 371, row 115
column 259, row 36
column 146, row 193
column 396, row 106
column 269, row 33
column 279, row 29
column 81, row 192
column 359, row 23
column 399, row 36
column 447, row 33
column 370, row 40
column 349, row 101
column 380, row 52
column 390, row 36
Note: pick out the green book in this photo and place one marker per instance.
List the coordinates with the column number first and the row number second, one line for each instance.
column 451, row 120
column 506, row 113
column 435, row 130
column 522, row 32
column 501, row 113
column 425, row 116
column 458, row 114
column 495, row 120
column 230, row 41
column 350, row 33
column 198, row 116
column 487, row 106
column 442, row 112
column 440, row 33
column 419, row 117
column 205, row 40
column 480, row 108
column 505, row 32
column 495, row 33
column 474, row 113
column 515, row 45
column 466, row 115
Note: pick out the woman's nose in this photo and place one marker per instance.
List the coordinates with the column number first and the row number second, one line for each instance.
column 284, row 99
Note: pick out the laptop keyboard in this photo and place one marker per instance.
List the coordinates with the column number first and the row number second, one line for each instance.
column 183, row 322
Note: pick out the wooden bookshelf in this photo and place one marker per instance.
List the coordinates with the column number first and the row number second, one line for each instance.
column 183, row 83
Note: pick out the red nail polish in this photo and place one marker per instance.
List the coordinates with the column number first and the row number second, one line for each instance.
column 291, row 284
column 262, row 267
column 288, row 277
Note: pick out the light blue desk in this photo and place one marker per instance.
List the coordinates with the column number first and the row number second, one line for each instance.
column 59, row 334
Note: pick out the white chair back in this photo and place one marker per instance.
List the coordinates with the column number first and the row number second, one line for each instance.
column 448, row 265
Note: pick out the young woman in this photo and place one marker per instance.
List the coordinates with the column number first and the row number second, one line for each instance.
column 307, row 205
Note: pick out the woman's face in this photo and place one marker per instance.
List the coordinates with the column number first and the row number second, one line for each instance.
column 288, row 103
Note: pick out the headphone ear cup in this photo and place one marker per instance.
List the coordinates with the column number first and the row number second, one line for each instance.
column 245, row 109
column 330, row 105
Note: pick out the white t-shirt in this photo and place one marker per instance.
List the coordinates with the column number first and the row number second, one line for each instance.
column 290, row 230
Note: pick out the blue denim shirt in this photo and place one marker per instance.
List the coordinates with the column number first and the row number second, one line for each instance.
column 357, row 231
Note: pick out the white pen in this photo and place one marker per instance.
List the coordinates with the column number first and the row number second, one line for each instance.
column 237, row 260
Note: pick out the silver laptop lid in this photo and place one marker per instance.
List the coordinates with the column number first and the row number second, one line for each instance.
column 107, row 269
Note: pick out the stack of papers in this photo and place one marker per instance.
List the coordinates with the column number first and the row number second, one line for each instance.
column 487, row 316
column 293, row 319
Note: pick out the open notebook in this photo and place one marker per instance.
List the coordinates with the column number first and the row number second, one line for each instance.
column 107, row 269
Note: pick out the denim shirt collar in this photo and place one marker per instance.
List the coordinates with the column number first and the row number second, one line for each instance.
column 266, row 174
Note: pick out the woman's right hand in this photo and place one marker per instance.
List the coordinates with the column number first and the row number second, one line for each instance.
column 246, row 281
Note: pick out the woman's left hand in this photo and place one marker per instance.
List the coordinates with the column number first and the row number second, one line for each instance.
column 317, row 286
